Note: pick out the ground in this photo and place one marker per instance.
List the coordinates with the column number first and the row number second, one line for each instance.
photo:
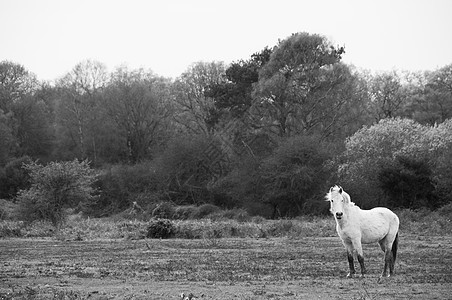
column 242, row 268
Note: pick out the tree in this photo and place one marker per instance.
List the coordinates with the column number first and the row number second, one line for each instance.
column 7, row 140
column 295, row 85
column 387, row 95
column 235, row 93
column 15, row 82
column 198, row 113
column 55, row 187
column 375, row 147
column 408, row 183
column 77, row 108
column 14, row 178
column 294, row 174
column 23, row 130
column 34, row 127
column 439, row 92
column 139, row 104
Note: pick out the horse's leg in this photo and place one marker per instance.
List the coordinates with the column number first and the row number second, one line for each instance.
column 389, row 258
column 359, row 249
column 351, row 265
column 388, row 263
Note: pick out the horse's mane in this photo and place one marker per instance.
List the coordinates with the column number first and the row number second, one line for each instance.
column 344, row 194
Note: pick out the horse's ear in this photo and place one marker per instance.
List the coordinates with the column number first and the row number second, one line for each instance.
column 331, row 189
column 340, row 190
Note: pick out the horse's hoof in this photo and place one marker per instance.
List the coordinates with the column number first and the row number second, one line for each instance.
column 382, row 277
column 350, row 275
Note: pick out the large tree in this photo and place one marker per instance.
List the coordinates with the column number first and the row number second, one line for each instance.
column 15, row 83
column 234, row 95
column 77, row 108
column 138, row 102
column 197, row 111
column 295, row 86
column 25, row 119
column 387, row 95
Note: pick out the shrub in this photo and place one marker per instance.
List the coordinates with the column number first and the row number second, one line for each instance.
column 408, row 183
column 160, row 229
column 206, row 210
column 123, row 184
column 446, row 210
column 11, row 229
column 186, row 168
column 57, row 186
column 14, row 178
column 184, row 212
column 294, row 173
column 238, row 214
column 163, row 210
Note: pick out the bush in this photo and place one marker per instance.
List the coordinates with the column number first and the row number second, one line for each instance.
column 408, row 183
column 237, row 214
column 163, row 210
column 206, row 210
column 184, row 212
column 11, row 229
column 187, row 167
column 445, row 211
column 55, row 187
column 14, row 177
column 123, row 184
column 294, row 173
column 160, row 229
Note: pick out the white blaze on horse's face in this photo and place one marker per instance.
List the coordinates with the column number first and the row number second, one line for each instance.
column 337, row 201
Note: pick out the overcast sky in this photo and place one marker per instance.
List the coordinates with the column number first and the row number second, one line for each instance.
column 49, row 37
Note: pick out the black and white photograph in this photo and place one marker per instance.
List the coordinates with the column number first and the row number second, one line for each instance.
column 206, row 149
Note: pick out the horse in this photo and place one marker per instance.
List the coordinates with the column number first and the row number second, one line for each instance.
column 356, row 226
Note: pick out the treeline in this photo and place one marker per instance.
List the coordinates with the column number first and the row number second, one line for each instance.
column 270, row 133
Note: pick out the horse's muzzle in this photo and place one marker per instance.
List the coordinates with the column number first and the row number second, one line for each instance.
column 339, row 215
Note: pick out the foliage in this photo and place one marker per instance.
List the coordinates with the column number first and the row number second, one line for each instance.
column 387, row 95
column 160, row 229
column 138, row 103
column 164, row 210
column 408, row 184
column 14, row 177
column 369, row 150
column 293, row 92
column 121, row 184
column 187, row 167
column 55, row 187
column 234, row 95
column 294, row 174
column 11, row 229
column 385, row 160
column 210, row 135
column 184, row 212
column 197, row 112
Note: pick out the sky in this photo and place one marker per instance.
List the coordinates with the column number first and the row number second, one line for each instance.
column 49, row 37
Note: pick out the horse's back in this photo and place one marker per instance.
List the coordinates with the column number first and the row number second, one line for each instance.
column 377, row 223
column 387, row 214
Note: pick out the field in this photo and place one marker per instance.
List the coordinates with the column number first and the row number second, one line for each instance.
column 219, row 268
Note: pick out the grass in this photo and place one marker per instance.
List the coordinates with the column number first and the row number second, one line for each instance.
column 77, row 227
column 216, row 225
column 229, row 268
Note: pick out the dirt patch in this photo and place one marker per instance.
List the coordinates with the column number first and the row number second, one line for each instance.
column 280, row 268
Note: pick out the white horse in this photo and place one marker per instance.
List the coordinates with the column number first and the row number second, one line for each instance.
column 356, row 226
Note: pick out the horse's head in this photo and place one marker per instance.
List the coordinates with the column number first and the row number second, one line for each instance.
column 338, row 201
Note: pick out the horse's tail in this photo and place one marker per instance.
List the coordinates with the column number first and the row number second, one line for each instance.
column 395, row 244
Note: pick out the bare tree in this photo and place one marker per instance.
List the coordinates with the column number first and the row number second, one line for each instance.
column 197, row 112
column 80, row 92
column 138, row 102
